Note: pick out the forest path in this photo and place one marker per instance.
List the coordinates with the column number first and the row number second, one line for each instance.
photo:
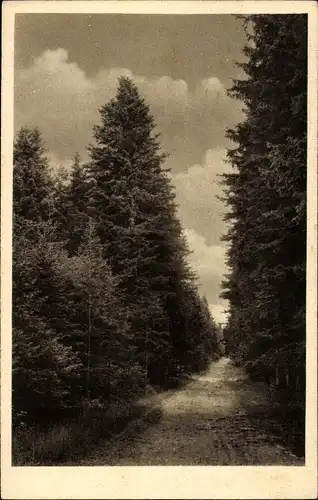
column 205, row 423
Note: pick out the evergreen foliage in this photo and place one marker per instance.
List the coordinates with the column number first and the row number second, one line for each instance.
column 32, row 184
column 132, row 202
column 76, row 203
column 45, row 366
column 266, row 194
column 104, row 301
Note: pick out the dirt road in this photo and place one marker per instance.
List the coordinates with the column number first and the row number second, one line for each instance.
column 205, row 423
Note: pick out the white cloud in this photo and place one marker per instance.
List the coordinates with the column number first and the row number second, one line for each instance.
column 201, row 213
column 208, row 261
column 164, row 92
column 56, row 95
column 56, row 162
column 197, row 191
column 219, row 313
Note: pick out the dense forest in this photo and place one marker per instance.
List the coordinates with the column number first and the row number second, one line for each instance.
column 266, row 197
column 104, row 302
column 106, row 308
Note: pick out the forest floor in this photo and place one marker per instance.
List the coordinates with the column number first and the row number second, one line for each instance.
column 219, row 418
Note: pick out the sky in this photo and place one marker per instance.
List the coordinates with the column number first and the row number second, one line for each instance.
column 67, row 67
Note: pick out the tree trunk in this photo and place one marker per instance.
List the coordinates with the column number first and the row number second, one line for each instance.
column 277, row 376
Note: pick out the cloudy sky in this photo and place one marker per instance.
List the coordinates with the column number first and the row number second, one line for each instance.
column 67, row 66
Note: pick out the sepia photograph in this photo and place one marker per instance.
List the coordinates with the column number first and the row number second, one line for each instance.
column 160, row 239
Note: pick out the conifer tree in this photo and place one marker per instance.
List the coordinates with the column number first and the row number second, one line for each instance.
column 32, row 183
column 45, row 368
column 76, row 206
column 44, row 360
column 267, row 198
column 61, row 180
column 133, row 205
column 107, row 350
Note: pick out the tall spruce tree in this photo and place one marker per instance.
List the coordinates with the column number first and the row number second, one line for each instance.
column 76, row 202
column 133, row 205
column 267, row 198
column 32, row 183
column 107, row 351
column 104, row 299
column 44, row 366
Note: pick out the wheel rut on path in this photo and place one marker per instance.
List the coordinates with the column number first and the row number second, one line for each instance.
column 205, row 423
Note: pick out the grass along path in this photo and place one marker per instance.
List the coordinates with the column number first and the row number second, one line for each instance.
column 207, row 422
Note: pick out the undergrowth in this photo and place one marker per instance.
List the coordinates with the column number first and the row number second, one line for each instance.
column 73, row 439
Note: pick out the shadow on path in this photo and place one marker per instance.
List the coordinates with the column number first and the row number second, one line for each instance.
column 208, row 422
